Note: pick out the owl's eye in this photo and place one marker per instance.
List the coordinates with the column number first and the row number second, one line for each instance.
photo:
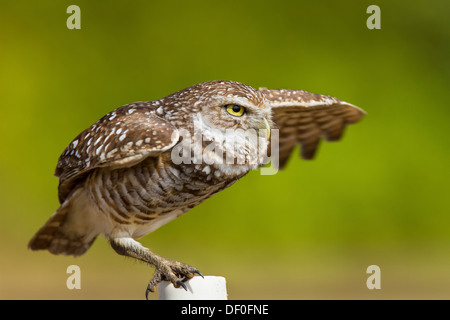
column 235, row 110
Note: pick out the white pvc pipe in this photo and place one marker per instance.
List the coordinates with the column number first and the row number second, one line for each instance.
column 198, row 288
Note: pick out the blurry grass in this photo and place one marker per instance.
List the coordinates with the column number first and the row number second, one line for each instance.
column 379, row 196
column 300, row 273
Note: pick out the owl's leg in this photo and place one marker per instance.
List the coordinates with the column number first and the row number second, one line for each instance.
column 166, row 269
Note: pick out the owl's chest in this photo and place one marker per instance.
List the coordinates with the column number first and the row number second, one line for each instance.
column 155, row 186
column 192, row 183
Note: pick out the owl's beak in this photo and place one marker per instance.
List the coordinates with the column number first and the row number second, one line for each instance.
column 266, row 128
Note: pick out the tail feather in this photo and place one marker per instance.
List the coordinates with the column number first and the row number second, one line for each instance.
column 59, row 235
column 43, row 239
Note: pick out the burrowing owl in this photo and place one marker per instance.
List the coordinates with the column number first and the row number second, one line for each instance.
column 146, row 163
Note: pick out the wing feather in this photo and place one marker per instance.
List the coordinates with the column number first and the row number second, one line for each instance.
column 303, row 118
column 121, row 138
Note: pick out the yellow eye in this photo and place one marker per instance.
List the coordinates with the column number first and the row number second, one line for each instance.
column 235, row 110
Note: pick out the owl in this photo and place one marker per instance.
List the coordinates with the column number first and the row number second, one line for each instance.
column 147, row 163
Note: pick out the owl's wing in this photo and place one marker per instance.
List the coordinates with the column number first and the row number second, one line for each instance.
column 122, row 138
column 303, row 118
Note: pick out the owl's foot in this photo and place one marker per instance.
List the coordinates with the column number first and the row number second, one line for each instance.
column 166, row 269
column 173, row 271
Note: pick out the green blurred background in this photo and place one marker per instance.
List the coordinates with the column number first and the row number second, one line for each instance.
column 380, row 196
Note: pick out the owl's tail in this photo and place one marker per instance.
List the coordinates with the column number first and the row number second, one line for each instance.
column 66, row 232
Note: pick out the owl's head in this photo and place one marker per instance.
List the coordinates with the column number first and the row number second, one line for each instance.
column 230, row 105
column 235, row 116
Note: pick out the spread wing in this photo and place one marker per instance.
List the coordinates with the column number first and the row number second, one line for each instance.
column 303, row 118
column 122, row 138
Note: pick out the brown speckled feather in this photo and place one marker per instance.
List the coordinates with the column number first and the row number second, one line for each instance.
column 121, row 138
column 303, row 118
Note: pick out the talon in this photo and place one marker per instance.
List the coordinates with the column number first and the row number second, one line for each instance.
column 180, row 283
column 150, row 288
column 152, row 284
column 191, row 275
column 199, row 273
column 172, row 271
